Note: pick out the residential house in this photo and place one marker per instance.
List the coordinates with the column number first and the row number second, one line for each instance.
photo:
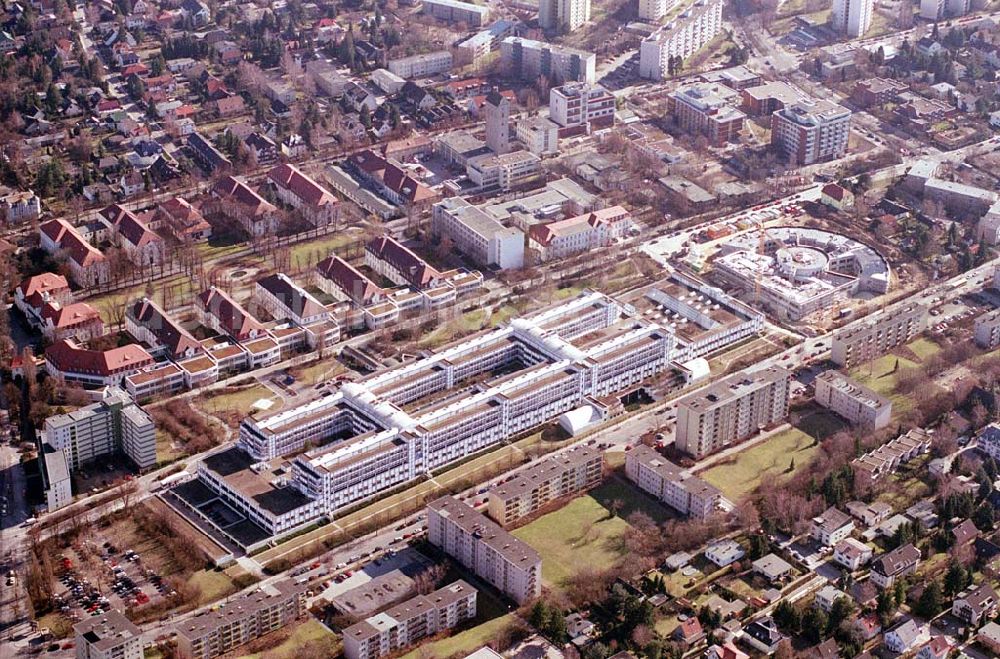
column 19, row 206
column 724, row 552
column 851, row 553
column 88, row 266
column 975, row 605
column 831, row 527
column 33, row 293
column 827, row 596
column 149, row 324
column 938, row 647
column 989, row 637
column 688, row 632
column 772, row 567
column 762, row 634
column 78, row 321
column 318, row 206
column 895, row 564
column 240, row 203
column 142, row 245
column 906, row 636
column 182, row 220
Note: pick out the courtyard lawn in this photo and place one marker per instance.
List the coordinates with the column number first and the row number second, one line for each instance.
column 317, row 371
column 581, row 534
column 309, row 631
column 166, row 452
column 632, row 500
column 463, row 643
column 769, row 459
column 880, row 376
column 212, row 585
column 240, row 400
column 924, row 348
column 317, row 250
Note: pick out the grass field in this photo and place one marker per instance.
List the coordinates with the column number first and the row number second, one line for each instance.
column 463, row 643
column 880, row 376
column 302, row 254
column 924, row 348
column 581, row 534
column 632, row 500
column 769, row 459
column 213, row 585
column 321, row 369
column 239, row 401
column 165, row 449
column 310, row 630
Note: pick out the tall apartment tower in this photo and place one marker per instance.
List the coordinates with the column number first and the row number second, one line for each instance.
column 563, row 16
column 497, row 109
column 654, row 10
column 852, row 17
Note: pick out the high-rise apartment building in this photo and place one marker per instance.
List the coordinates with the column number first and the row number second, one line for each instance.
column 859, row 405
column 679, row 38
column 497, row 110
column 563, row 16
column 708, row 109
column 878, row 334
column 676, row 487
column 406, row 623
column 527, row 59
column 113, row 424
column 852, row 17
column 811, row 131
column 731, row 410
column 987, row 330
column 481, row 545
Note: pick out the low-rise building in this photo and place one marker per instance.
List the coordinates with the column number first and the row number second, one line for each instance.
column 685, row 493
column 67, row 362
column 570, row 472
column 108, row 636
column 831, row 527
column 893, row 565
column 856, row 403
column 593, row 230
column 318, row 206
column 239, row 202
column 149, row 324
column 975, row 605
column 707, row 109
column 724, row 552
column 772, row 567
column 852, row 554
column 420, row 66
column 283, row 299
column 406, row 623
column 581, row 105
column 827, row 596
column 88, row 266
column 241, row 620
column 477, row 235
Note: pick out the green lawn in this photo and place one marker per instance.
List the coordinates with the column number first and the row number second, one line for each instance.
column 463, row 643
column 213, row 585
column 880, row 376
column 317, row 371
column 310, row 630
column 165, row 450
column 467, row 323
column 313, row 251
column 924, row 348
column 632, row 500
column 769, row 459
column 240, row 401
column 581, row 534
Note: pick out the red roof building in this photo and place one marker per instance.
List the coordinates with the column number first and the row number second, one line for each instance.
column 68, row 362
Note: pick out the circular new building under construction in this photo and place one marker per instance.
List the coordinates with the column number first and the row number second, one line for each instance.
column 797, row 271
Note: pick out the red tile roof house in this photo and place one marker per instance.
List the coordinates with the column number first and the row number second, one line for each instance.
column 66, row 361
column 182, row 220
column 580, row 233
column 400, row 265
column 32, row 294
column 240, row 203
column 78, row 321
column 317, row 205
column 339, row 279
column 88, row 266
column 285, row 300
column 148, row 323
column 142, row 245
column 224, row 315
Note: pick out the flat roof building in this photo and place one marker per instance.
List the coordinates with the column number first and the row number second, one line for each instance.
column 731, row 410
column 551, row 478
column 811, row 131
column 987, row 330
column 676, row 487
column 482, row 546
column 877, row 334
column 108, row 636
column 454, row 11
column 527, row 59
column 477, row 235
column 680, row 37
column 859, row 405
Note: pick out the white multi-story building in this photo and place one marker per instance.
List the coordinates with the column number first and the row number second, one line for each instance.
column 581, row 104
column 408, row 622
column 731, row 410
column 390, row 428
column 563, row 16
column 811, row 131
column 859, row 405
column 652, row 11
column 503, row 172
column 932, row 10
column 481, row 545
column 679, row 38
column 21, row 206
column 539, row 135
column 108, row 636
column 852, row 17
column 454, row 11
column 56, row 481
column 878, row 334
column 477, row 235
column 113, row 424
column 419, row 66
column 987, row 330
column 527, row 59
column 572, row 471
column 687, row 494
column 831, row 527
column 599, row 228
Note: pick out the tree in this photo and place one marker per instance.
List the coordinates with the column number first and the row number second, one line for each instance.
column 929, row 604
column 814, row 624
column 956, row 579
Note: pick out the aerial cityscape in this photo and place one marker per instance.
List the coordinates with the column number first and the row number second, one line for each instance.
column 500, row 329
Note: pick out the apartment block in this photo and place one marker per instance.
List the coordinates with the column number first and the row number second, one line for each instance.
column 859, row 405
column 283, row 299
column 316, row 204
column 503, row 172
column 570, row 472
column 811, row 131
column 406, row 623
column 482, row 546
column 56, row 480
column 241, row 620
column 652, row 11
column 768, row 98
column 108, row 636
column 876, row 92
column 454, row 11
column 527, row 59
column 676, row 487
column 477, row 235
column 731, row 410
column 563, row 16
column 151, row 325
column 581, row 104
column 852, row 17
column 419, row 66
column 707, row 109
column 987, row 330
column 878, row 334
column 113, row 424
column 681, row 38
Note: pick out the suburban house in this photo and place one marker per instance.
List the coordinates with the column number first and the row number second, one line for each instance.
column 906, row 636
column 852, row 553
column 895, row 564
column 831, row 527
column 724, row 552
column 975, row 605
